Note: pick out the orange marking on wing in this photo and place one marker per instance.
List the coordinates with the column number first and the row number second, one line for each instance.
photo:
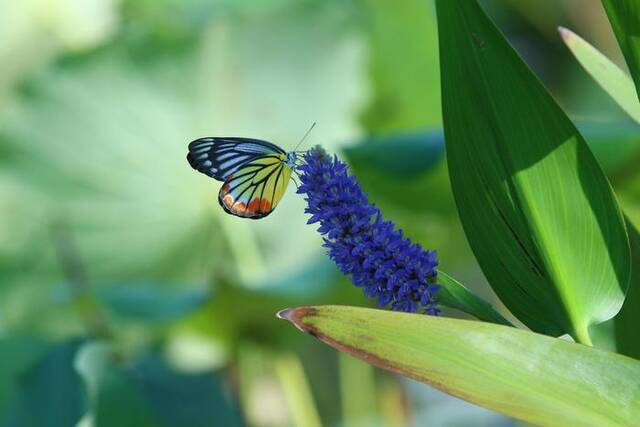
column 265, row 205
column 253, row 206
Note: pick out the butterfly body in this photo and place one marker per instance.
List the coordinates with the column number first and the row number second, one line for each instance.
column 255, row 172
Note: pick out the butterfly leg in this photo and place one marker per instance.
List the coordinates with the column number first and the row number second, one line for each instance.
column 294, row 181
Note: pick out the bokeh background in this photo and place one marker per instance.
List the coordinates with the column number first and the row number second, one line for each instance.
column 129, row 298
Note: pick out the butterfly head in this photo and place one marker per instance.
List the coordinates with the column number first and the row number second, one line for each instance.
column 292, row 157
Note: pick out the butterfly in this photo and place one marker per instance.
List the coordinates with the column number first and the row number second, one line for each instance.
column 255, row 173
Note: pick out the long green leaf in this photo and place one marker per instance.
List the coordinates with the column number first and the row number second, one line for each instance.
column 455, row 295
column 624, row 16
column 543, row 380
column 537, row 209
column 608, row 75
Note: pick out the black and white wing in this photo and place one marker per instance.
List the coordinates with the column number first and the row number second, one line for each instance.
column 220, row 157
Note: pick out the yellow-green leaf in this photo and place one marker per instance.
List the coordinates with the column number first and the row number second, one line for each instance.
column 608, row 75
column 539, row 379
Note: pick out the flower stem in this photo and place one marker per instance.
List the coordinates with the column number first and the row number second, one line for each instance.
column 581, row 335
column 79, row 283
column 357, row 391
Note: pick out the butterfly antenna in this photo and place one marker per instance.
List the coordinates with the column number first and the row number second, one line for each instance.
column 305, row 136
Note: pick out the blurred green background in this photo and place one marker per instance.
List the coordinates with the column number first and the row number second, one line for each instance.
column 129, row 298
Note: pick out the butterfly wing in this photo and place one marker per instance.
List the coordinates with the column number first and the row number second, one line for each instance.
column 255, row 189
column 220, row 157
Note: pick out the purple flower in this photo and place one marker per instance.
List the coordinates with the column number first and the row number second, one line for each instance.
column 380, row 261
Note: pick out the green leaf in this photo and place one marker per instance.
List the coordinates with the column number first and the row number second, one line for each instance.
column 542, row 380
column 624, row 16
column 454, row 294
column 120, row 403
column 608, row 75
column 537, row 209
column 400, row 155
column 311, row 279
column 626, row 322
column 151, row 393
column 51, row 393
column 146, row 302
column 412, row 161
column 18, row 355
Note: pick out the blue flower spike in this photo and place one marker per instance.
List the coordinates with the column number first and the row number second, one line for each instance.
column 380, row 261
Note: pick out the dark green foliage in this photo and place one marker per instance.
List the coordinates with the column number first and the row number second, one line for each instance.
column 150, row 393
column 50, row 393
column 624, row 16
column 536, row 207
column 627, row 333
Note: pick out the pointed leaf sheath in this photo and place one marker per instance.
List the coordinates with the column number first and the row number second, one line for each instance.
column 608, row 75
